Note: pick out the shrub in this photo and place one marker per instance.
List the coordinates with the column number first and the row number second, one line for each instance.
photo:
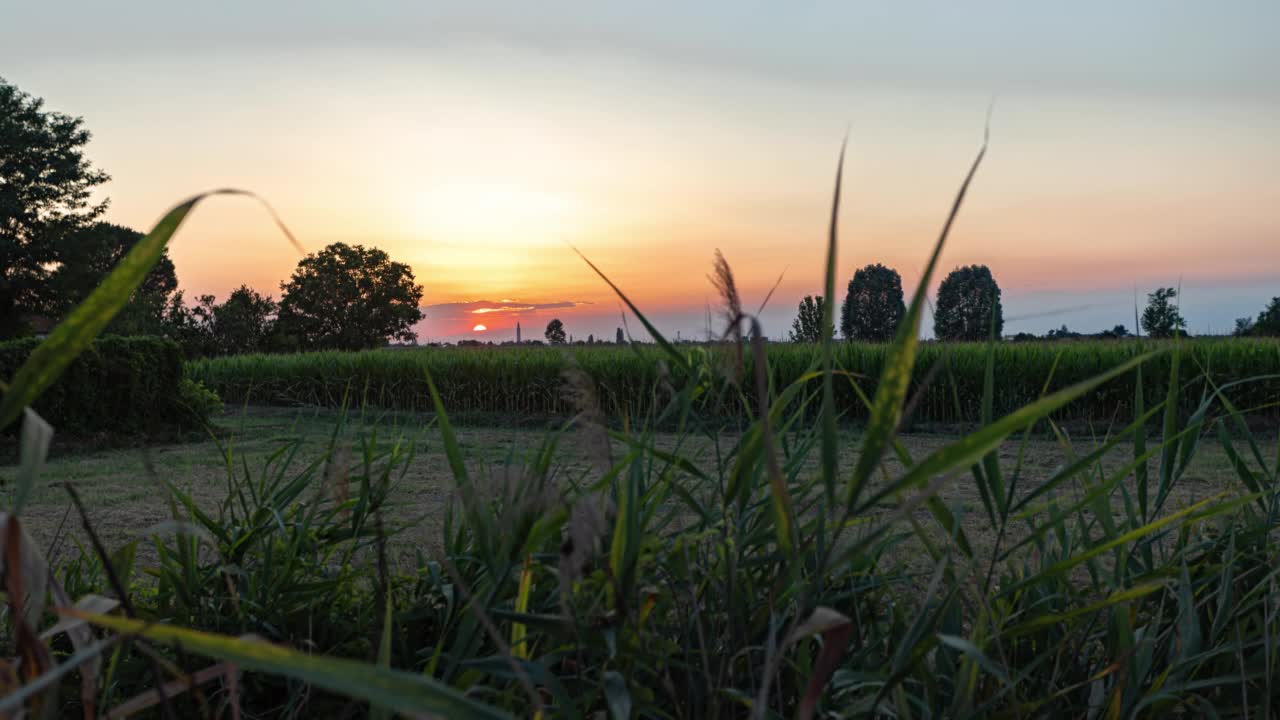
column 202, row 401
column 119, row 385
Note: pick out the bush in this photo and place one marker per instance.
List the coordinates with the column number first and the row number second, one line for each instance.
column 202, row 401
column 120, row 385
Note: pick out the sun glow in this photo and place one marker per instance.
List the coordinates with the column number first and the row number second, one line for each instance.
column 479, row 328
column 484, row 210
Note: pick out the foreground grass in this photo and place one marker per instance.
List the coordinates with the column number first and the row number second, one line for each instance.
column 124, row 493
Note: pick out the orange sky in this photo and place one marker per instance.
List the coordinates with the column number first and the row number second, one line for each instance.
column 480, row 155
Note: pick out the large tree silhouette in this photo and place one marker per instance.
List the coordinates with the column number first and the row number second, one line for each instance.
column 873, row 305
column 1161, row 318
column 967, row 300
column 87, row 255
column 45, row 182
column 348, row 297
column 807, row 327
column 555, row 332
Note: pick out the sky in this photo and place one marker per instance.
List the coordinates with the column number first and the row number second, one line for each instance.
column 1133, row 146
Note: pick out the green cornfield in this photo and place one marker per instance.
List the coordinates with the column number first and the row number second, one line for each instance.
column 946, row 383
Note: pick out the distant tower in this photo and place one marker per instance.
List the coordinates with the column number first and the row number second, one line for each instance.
column 517, row 333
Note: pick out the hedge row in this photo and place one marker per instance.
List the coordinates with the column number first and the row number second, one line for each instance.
column 947, row 383
column 120, row 385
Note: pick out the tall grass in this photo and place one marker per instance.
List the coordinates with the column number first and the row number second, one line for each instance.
column 761, row 580
column 946, row 380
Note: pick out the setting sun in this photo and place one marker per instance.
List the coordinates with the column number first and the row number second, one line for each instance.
column 479, row 328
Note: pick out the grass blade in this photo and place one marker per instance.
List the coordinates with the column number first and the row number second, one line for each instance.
column 830, row 456
column 404, row 692
column 891, row 393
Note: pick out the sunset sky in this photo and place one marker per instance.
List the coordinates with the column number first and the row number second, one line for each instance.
column 1134, row 145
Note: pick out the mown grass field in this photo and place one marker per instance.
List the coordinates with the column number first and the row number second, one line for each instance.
column 122, row 486
column 510, row 383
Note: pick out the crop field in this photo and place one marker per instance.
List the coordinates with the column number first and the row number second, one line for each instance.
column 516, row 382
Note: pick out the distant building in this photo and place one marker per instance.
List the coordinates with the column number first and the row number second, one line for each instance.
column 517, row 333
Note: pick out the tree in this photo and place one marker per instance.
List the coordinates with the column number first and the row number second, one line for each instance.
column 348, row 297
column 807, row 327
column 555, row 332
column 87, row 255
column 1268, row 322
column 190, row 327
column 1244, row 327
column 244, row 323
column 1062, row 333
column 619, row 337
column 873, row 305
column 1119, row 331
column 968, row 304
column 1161, row 318
column 45, row 182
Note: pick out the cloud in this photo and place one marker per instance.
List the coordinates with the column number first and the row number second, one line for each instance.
column 450, row 311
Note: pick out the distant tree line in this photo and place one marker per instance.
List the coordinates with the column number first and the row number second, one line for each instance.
column 1267, row 323
column 55, row 249
column 1064, row 333
column 968, row 308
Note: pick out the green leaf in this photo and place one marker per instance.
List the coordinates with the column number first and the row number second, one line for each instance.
column 1051, row 619
column 1225, row 581
column 484, row 531
column 380, row 712
column 1136, row 428
column 32, row 450
column 967, row 450
column 991, row 475
column 403, row 692
column 830, row 455
column 1169, row 453
column 891, row 392
column 784, row 513
column 624, row 548
column 1187, row 513
column 1188, row 618
column 672, row 353
column 1140, row 442
column 973, row 653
